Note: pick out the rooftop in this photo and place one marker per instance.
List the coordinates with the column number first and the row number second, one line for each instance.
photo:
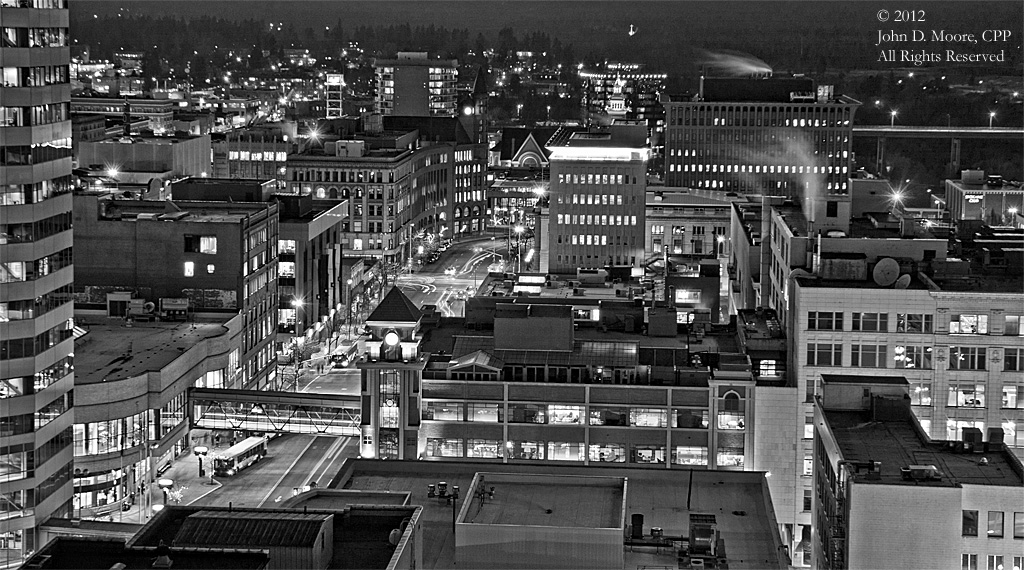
column 615, row 354
column 1004, row 186
column 898, row 444
column 665, row 498
column 148, row 139
column 184, row 211
column 113, row 351
column 660, row 196
column 250, row 530
column 760, row 324
column 87, row 553
column 858, row 379
column 915, row 283
column 550, row 500
column 361, row 533
column 395, row 307
column 793, row 216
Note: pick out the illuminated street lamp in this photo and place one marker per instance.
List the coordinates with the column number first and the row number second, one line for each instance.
column 201, row 451
column 165, row 485
column 519, row 260
column 991, row 117
column 348, row 318
column 892, row 116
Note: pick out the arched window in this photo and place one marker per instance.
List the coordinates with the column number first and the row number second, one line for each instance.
column 731, row 402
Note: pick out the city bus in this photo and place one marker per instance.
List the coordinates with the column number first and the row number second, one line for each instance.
column 240, row 456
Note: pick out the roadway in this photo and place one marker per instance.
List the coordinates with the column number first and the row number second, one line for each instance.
column 292, row 462
column 467, row 263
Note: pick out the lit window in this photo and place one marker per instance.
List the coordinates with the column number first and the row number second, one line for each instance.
column 968, row 324
column 208, row 244
column 995, row 523
column 210, row 268
column 190, row 269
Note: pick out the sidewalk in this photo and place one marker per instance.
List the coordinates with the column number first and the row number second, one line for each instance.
column 184, row 472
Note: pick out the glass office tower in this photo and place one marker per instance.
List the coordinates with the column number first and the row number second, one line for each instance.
column 36, row 308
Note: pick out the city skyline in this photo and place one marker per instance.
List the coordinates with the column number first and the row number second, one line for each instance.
column 454, row 283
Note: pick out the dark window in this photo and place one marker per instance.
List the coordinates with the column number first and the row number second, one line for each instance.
column 832, row 209
column 970, row 523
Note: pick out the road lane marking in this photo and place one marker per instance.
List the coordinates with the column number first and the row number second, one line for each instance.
column 287, row 471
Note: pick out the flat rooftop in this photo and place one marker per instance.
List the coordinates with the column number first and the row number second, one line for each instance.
column 102, row 553
column 814, row 282
column 897, row 444
column 339, row 499
column 794, row 218
column 760, row 326
column 188, row 211
column 147, row 139
column 980, row 280
column 113, row 351
column 679, row 196
column 981, row 188
column 570, row 502
column 361, row 532
column 739, row 499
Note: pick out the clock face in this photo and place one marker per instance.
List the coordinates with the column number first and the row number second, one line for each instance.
column 391, row 339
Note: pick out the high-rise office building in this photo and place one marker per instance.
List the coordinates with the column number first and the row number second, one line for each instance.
column 334, row 89
column 36, row 310
column 415, row 85
column 598, row 184
column 778, row 136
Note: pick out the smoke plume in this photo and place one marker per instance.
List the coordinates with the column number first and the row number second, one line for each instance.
column 726, row 63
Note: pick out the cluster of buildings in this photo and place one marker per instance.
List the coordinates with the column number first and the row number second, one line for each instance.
column 752, row 313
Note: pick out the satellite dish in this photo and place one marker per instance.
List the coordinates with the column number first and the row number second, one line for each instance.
column 886, row 271
column 903, row 282
column 149, row 306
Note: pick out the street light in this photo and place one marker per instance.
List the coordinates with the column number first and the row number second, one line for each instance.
column 165, row 485
column 991, row 117
column 519, row 261
column 441, row 491
column 348, row 318
column 892, row 115
column 201, row 451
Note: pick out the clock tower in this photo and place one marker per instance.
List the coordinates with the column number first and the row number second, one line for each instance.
column 391, row 379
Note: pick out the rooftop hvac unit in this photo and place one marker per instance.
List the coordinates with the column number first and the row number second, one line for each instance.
column 920, row 473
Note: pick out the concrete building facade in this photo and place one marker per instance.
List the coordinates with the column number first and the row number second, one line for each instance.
column 887, row 495
column 214, row 256
column 774, row 135
column 131, row 416
column 179, row 155
column 597, row 207
column 36, row 275
column 413, row 84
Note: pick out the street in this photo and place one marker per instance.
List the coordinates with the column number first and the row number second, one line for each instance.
column 471, row 260
column 296, row 461
column 293, row 462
